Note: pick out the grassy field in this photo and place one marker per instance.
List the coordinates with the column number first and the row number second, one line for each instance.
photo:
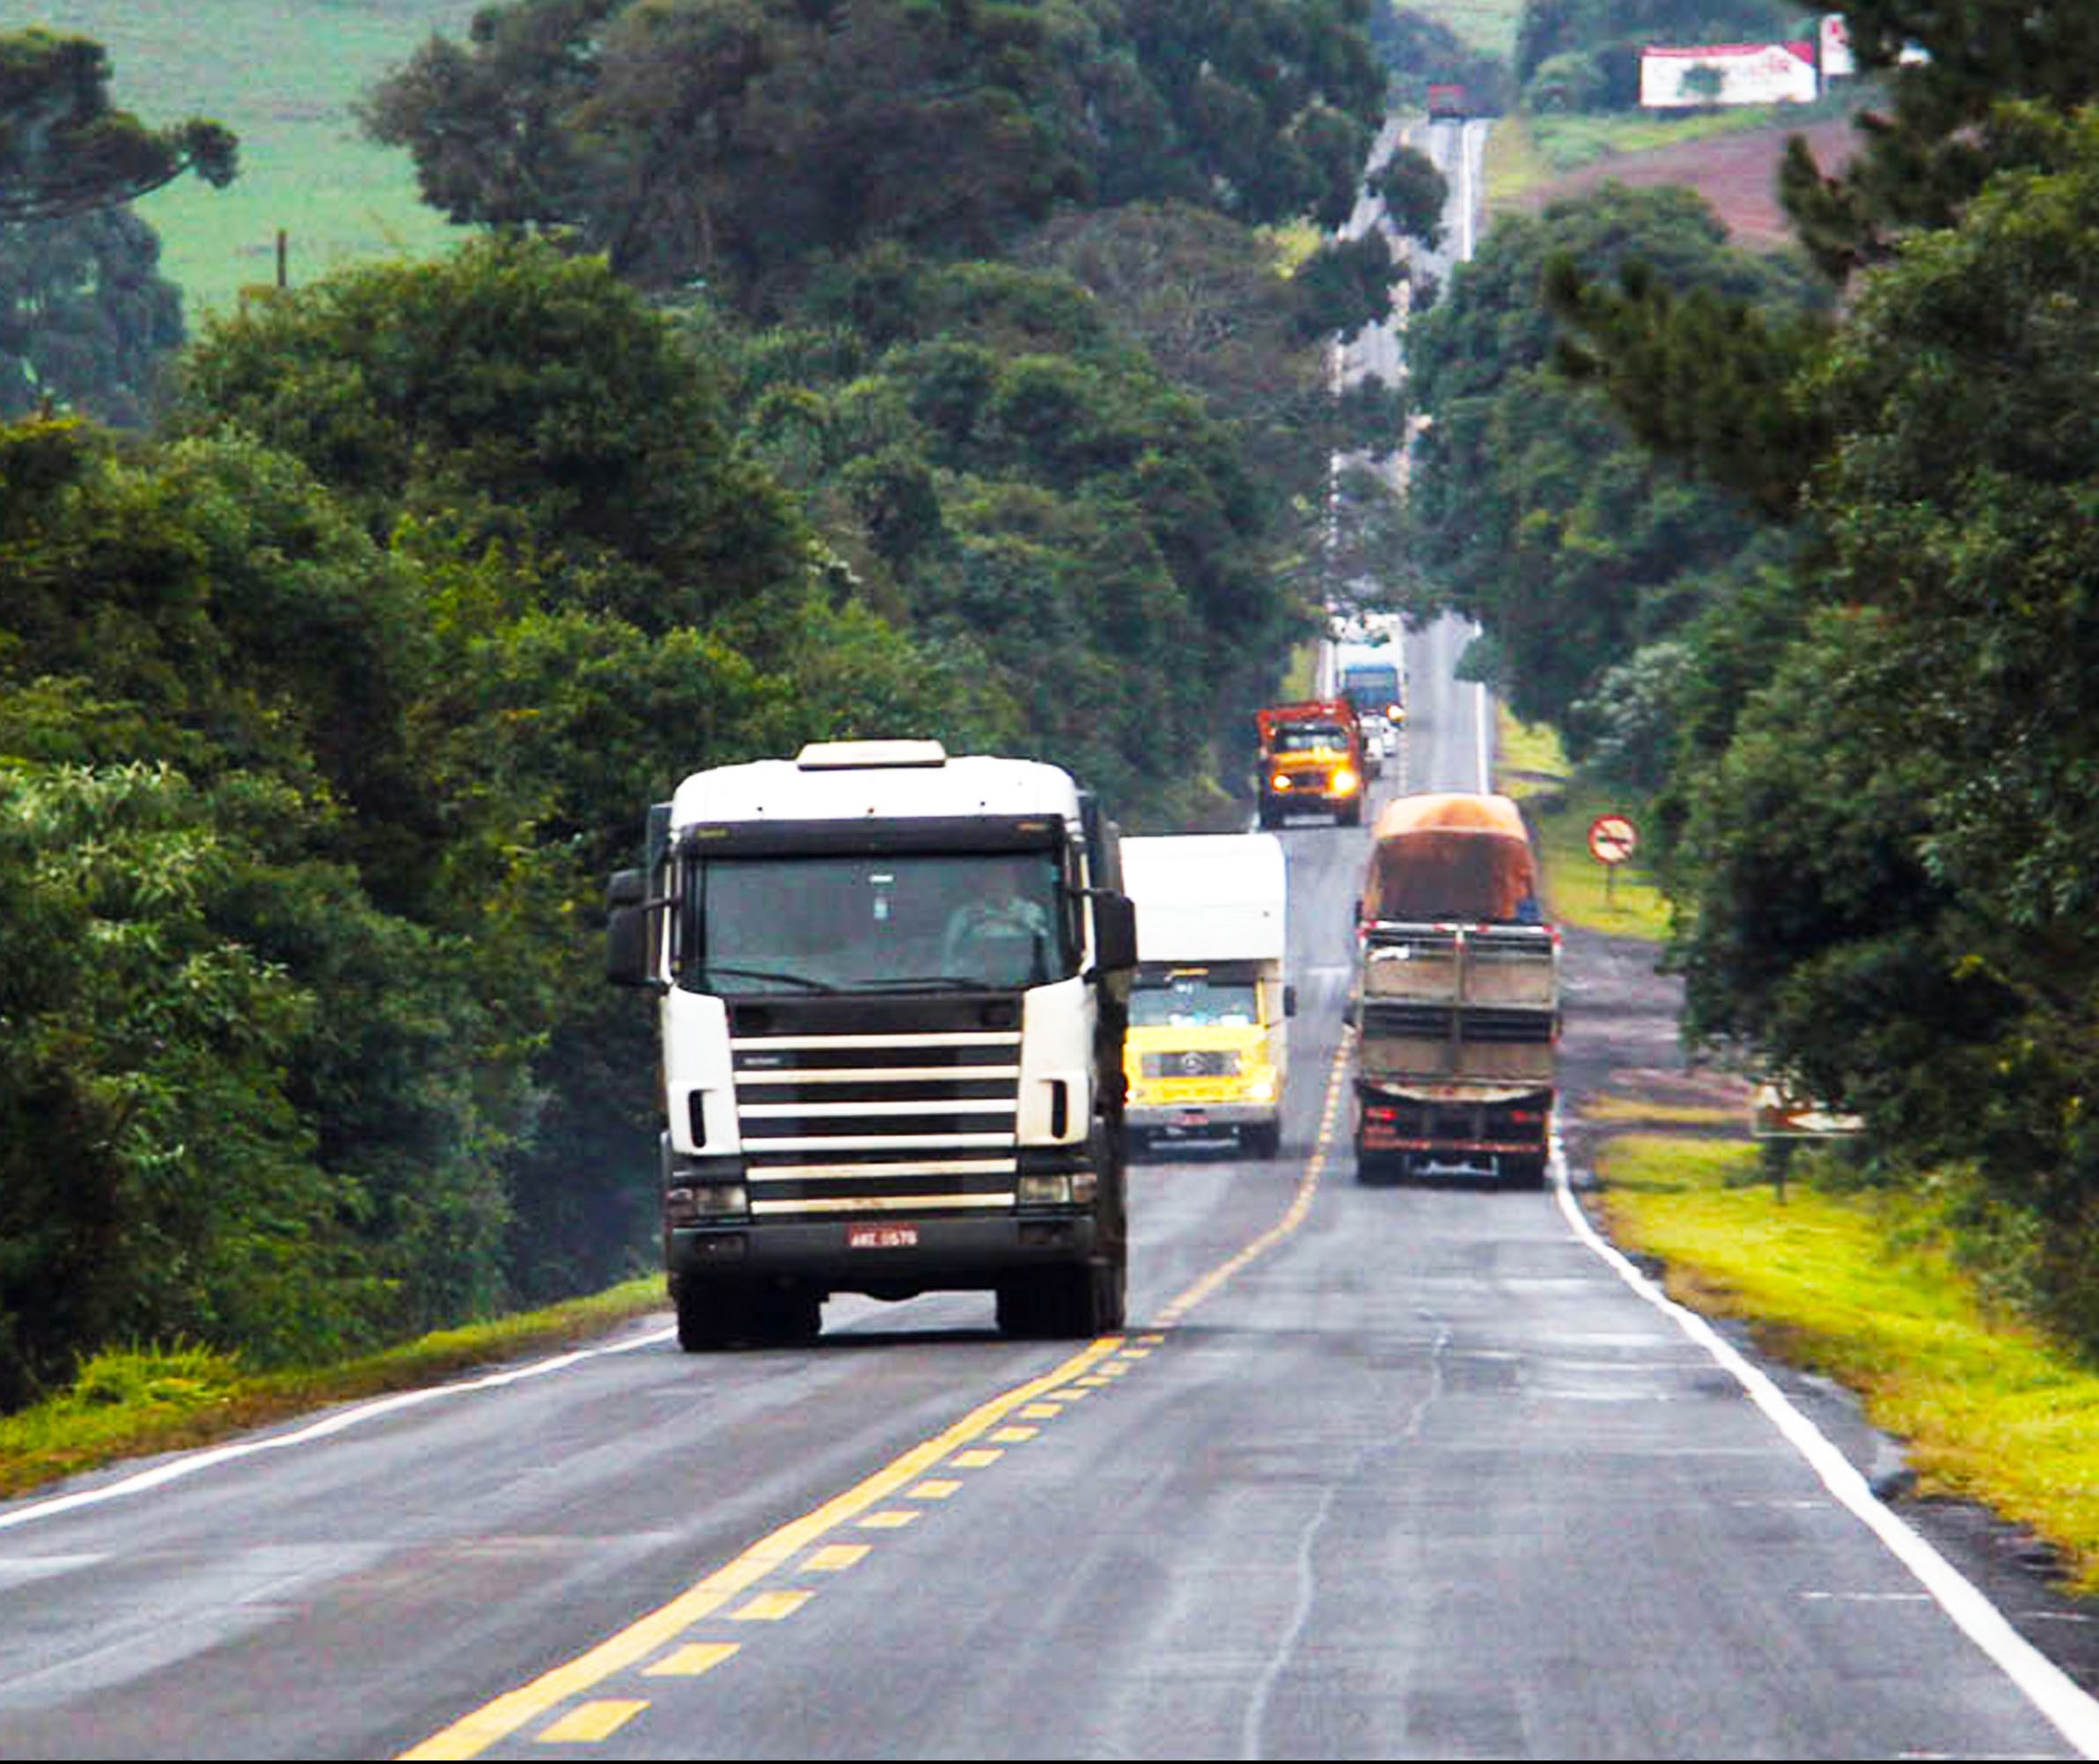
column 282, row 75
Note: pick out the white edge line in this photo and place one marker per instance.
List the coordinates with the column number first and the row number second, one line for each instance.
column 2051, row 1690
column 189, row 1463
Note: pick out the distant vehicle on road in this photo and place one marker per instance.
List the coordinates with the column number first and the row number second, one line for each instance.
column 1312, row 760
column 1449, row 102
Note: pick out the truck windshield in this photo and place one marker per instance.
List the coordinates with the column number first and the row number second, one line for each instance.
column 836, row 924
column 1371, row 688
column 1310, row 737
column 1191, row 1000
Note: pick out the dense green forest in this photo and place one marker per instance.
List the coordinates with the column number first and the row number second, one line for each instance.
column 959, row 369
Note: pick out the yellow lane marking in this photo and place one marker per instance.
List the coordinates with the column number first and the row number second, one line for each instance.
column 691, row 1660
column 1013, row 1436
column 1043, row 1411
column 892, row 1519
column 1294, row 1215
column 590, row 1720
column 770, row 1607
column 835, row 1558
column 932, row 1488
column 474, row 1733
column 978, row 1458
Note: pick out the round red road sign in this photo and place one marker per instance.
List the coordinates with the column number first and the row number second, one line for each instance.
column 1613, row 838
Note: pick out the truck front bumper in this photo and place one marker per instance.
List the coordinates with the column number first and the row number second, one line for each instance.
column 885, row 1255
column 1165, row 1117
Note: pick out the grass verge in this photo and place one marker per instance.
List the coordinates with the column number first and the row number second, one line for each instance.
column 134, row 1402
column 1863, row 1287
column 1620, row 900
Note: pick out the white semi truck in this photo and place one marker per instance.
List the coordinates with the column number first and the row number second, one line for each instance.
column 1209, row 1046
column 892, row 992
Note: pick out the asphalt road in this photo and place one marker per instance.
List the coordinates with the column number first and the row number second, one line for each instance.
column 1377, row 1472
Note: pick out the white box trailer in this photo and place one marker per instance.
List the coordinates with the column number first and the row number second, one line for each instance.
column 1208, row 1054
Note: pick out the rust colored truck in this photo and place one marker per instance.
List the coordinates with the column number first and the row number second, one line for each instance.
column 1456, row 996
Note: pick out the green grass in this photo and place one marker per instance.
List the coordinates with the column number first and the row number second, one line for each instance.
column 1862, row 1287
column 1618, row 899
column 1565, row 143
column 282, row 75
column 127, row 1402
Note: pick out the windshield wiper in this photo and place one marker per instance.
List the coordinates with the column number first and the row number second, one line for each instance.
column 800, row 980
column 946, row 982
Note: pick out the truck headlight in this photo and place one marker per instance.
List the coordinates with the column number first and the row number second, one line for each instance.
column 1074, row 1189
column 1345, row 780
column 689, row 1203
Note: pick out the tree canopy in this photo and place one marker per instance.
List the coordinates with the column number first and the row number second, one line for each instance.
column 64, row 150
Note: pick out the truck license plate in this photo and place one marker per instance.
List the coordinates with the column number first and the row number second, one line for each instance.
column 881, row 1237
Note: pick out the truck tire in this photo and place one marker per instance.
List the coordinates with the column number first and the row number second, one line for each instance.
column 786, row 1315
column 712, row 1315
column 1262, row 1140
column 1523, row 1172
column 1076, row 1302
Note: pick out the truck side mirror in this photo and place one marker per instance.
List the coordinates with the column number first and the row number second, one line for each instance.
column 628, row 950
column 1114, row 932
column 1289, row 1001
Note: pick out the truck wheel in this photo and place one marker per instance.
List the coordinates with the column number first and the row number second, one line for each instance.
column 1020, row 1307
column 1523, row 1172
column 787, row 1315
column 711, row 1315
column 1271, row 817
column 1063, row 1302
column 1263, row 1140
column 1111, row 1301
column 1350, row 816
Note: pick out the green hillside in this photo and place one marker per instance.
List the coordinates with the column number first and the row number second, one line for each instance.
column 282, row 75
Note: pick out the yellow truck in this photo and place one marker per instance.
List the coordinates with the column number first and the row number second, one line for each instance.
column 1207, row 1050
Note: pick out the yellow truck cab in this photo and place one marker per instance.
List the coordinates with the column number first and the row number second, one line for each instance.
column 1207, row 1050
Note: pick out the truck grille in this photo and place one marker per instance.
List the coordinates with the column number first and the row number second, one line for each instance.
column 846, row 1109
column 1192, row 1063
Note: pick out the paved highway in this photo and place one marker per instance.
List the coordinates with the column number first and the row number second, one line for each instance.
column 1376, row 1473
